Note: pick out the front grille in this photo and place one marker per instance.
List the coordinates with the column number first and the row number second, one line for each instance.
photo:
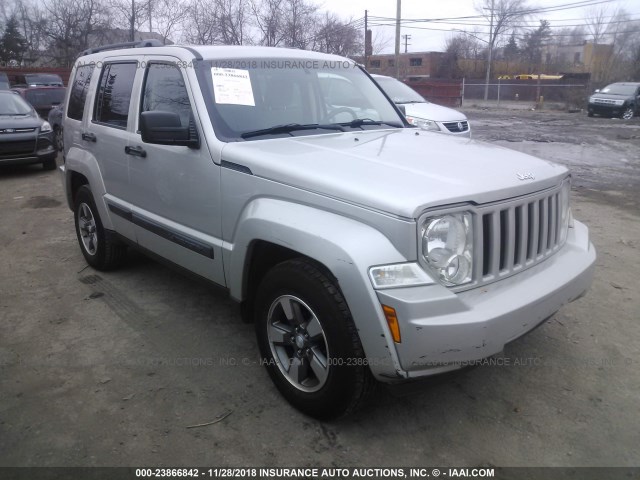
column 604, row 101
column 17, row 147
column 517, row 236
column 457, row 127
column 17, row 130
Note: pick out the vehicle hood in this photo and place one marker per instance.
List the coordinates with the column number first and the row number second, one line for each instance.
column 400, row 171
column 431, row 111
column 19, row 121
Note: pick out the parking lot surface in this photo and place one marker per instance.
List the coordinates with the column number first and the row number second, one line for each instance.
column 111, row 369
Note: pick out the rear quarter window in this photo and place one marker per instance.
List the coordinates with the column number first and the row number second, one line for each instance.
column 79, row 88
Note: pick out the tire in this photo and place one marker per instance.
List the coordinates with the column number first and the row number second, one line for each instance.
column 627, row 113
column 57, row 137
column 309, row 343
column 49, row 164
column 99, row 249
column 590, row 114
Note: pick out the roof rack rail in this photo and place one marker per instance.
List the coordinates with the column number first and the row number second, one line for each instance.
column 114, row 46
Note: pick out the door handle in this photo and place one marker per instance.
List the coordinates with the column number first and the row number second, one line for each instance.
column 135, row 151
column 89, row 137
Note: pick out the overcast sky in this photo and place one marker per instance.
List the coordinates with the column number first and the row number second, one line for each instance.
column 425, row 40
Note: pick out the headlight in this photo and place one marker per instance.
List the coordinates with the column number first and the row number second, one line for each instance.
column 423, row 124
column 447, row 247
column 565, row 210
column 618, row 102
column 398, row 275
column 45, row 127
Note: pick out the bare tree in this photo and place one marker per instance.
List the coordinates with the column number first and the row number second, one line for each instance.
column 168, row 16
column 597, row 23
column 269, row 18
column 336, row 36
column 223, row 22
column 33, row 23
column 502, row 15
column 380, row 41
column 70, row 25
column 299, row 23
column 130, row 15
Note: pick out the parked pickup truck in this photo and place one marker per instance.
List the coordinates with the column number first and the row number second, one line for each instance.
column 364, row 249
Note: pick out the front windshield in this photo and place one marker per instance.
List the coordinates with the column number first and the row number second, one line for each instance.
column 398, row 91
column 12, row 104
column 619, row 89
column 245, row 97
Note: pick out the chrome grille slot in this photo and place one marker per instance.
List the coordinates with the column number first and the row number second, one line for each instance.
column 456, row 127
column 517, row 235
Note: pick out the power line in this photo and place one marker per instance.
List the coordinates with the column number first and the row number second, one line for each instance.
column 481, row 33
column 566, row 6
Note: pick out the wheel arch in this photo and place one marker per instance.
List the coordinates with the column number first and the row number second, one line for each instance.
column 81, row 168
column 271, row 231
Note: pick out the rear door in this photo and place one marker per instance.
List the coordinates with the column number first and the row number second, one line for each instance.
column 106, row 136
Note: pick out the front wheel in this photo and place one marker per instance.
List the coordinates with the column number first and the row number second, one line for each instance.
column 100, row 250
column 308, row 341
column 627, row 114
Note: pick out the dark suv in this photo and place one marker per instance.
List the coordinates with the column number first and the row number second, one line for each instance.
column 25, row 138
column 43, row 99
column 616, row 100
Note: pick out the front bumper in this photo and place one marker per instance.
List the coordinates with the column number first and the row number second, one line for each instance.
column 443, row 331
column 25, row 150
column 606, row 110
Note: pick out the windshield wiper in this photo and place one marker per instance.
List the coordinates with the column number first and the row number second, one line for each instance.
column 359, row 122
column 290, row 127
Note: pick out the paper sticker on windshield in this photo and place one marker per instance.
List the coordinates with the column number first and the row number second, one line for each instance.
column 232, row 86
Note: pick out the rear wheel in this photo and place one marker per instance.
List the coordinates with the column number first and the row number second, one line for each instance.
column 308, row 341
column 627, row 113
column 100, row 250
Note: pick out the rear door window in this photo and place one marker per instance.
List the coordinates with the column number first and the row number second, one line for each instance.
column 114, row 94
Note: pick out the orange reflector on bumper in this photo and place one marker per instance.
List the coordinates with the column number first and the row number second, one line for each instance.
column 392, row 321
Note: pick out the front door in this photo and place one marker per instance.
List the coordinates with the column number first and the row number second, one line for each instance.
column 175, row 190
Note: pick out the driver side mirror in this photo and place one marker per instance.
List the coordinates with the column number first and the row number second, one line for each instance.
column 165, row 128
column 597, row 90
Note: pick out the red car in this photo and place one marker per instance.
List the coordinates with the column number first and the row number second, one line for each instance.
column 43, row 99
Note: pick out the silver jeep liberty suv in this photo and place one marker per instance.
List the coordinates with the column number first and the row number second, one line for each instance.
column 364, row 249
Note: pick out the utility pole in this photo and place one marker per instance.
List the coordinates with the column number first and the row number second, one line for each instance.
column 132, row 33
column 491, row 39
column 406, row 39
column 398, row 15
column 366, row 39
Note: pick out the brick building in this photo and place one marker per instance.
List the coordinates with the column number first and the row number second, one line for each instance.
column 419, row 64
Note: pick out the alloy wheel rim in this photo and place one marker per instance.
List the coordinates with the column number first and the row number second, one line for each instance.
column 87, row 227
column 298, row 343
